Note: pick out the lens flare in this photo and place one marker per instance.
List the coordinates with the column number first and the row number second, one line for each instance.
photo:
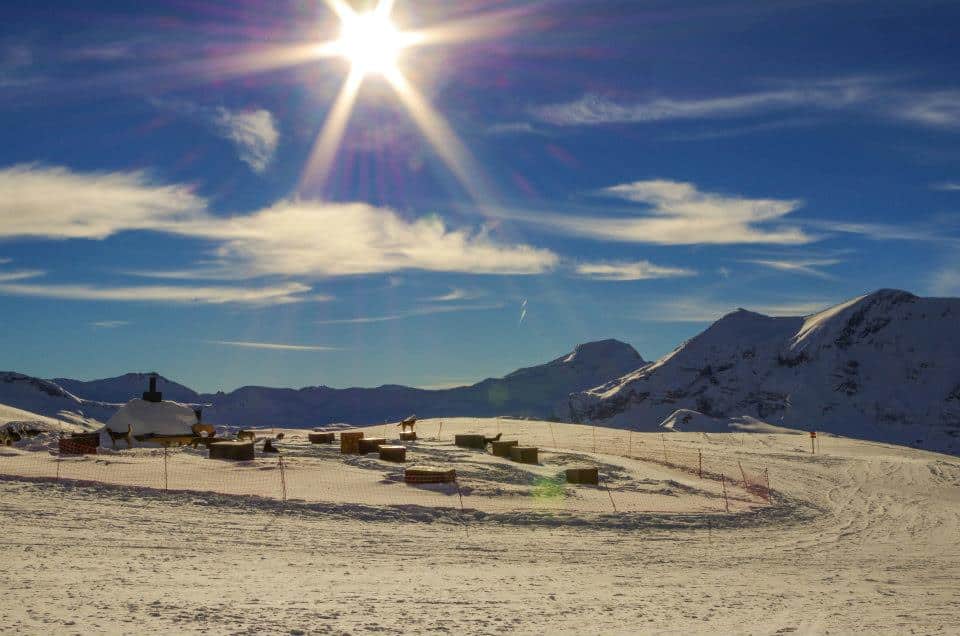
column 370, row 42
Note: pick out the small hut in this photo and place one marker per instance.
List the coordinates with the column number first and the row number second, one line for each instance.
column 152, row 419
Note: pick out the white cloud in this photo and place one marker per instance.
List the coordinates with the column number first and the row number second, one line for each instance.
column 24, row 274
column 454, row 294
column 636, row 270
column 680, row 214
column 53, row 202
column 272, row 345
column 949, row 186
column 595, row 110
column 940, row 109
column 800, row 266
column 933, row 233
column 291, row 238
column 872, row 95
column 412, row 313
column 339, row 239
column 109, row 324
column 270, row 295
column 253, row 132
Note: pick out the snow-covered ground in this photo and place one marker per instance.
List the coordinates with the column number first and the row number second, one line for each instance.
column 862, row 537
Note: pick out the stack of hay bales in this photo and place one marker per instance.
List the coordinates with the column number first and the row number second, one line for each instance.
column 502, row 448
column 350, row 442
column 239, row 450
column 524, row 454
column 370, row 444
column 470, row 440
column 429, row 475
column 393, row 453
column 587, row 475
column 317, row 437
column 408, row 436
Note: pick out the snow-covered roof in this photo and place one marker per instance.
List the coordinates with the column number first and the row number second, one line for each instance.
column 158, row 418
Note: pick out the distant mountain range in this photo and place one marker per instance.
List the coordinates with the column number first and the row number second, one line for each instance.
column 536, row 392
column 885, row 367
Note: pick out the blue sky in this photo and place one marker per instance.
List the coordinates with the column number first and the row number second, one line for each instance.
column 556, row 172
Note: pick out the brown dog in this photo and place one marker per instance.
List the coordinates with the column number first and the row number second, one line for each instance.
column 409, row 422
column 128, row 436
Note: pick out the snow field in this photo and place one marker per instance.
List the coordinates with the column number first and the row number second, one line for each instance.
column 862, row 539
column 660, row 475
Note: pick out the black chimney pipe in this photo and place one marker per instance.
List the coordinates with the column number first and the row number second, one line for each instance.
column 153, row 395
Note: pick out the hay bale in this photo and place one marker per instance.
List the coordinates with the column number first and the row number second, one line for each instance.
column 77, row 446
column 235, row 450
column 470, row 440
column 502, row 448
column 350, row 442
column 321, row 438
column 370, row 444
column 586, row 475
column 393, row 453
column 408, row 436
column 524, row 454
column 429, row 475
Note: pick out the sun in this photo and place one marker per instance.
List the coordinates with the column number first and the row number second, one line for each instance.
column 370, row 42
column 373, row 45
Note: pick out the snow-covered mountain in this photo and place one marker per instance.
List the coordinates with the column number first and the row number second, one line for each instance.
column 122, row 388
column 885, row 366
column 540, row 392
column 49, row 399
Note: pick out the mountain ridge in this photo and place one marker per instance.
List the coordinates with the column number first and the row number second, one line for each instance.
column 883, row 366
column 536, row 391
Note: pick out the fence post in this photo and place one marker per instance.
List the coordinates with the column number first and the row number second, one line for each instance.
column 283, row 478
column 700, row 463
column 723, row 482
column 744, row 475
column 766, row 477
column 165, row 480
column 663, row 440
column 609, row 494
column 552, row 435
column 594, row 427
column 439, row 430
column 629, row 442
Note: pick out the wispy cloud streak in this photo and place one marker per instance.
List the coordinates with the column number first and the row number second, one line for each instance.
column 274, row 346
column 627, row 271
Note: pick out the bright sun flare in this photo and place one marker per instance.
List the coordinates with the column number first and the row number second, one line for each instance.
column 372, row 45
column 370, row 42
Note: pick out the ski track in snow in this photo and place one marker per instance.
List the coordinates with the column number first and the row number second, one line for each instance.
column 866, row 542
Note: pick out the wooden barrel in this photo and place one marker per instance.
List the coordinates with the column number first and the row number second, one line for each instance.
column 585, row 475
column 524, row 454
column 393, row 453
column 350, row 442
column 233, row 450
column 502, row 448
column 470, row 440
column 408, row 436
column 370, row 444
column 429, row 475
column 321, row 438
